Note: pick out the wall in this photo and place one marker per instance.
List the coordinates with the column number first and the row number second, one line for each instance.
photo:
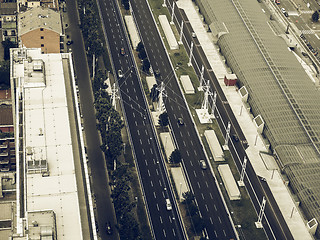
column 50, row 41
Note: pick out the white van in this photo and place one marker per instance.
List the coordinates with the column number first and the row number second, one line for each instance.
column 168, row 204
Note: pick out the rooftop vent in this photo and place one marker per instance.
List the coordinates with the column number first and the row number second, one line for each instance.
column 35, row 223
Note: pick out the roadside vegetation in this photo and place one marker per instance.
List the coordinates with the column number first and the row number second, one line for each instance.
column 5, row 64
column 131, row 224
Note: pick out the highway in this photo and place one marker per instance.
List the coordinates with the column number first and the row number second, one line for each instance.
column 96, row 161
column 273, row 221
column 165, row 224
column 202, row 183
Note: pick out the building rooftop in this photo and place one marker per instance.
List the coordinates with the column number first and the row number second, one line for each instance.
column 8, row 8
column 6, row 115
column 50, row 179
column 279, row 90
column 39, row 17
column 5, row 95
column 41, row 224
column 7, row 218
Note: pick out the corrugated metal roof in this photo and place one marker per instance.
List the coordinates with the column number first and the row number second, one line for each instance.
column 279, row 90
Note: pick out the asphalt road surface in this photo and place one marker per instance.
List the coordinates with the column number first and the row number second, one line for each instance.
column 165, row 224
column 202, row 182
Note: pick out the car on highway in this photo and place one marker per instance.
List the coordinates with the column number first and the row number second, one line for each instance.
column 122, row 52
column 108, row 228
column 203, row 164
column 283, row 10
column 180, row 121
column 120, row 73
column 168, row 204
column 235, row 138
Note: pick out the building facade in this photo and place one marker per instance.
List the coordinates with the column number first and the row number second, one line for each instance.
column 40, row 27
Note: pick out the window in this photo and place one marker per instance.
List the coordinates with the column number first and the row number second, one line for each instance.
column 41, row 29
column 42, row 45
column 42, row 37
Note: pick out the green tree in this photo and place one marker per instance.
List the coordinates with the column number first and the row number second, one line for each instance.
column 5, row 74
column 163, row 119
column 129, row 228
column 199, row 223
column 114, row 143
column 145, row 65
column 188, row 197
column 122, row 172
column 121, row 187
column 154, row 93
column 139, row 46
column 192, row 210
column 315, row 16
column 175, row 156
column 125, row 4
column 7, row 44
column 142, row 53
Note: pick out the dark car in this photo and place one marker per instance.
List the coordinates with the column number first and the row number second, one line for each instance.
column 108, row 228
column 235, row 138
column 180, row 121
column 69, row 42
column 157, row 72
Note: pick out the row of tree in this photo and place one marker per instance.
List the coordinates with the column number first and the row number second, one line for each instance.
column 197, row 223
column 128, row 226
column 5, row 64
column 143, row 56
column 109, row 125
column 90, row 27
column 109, row 120
column 125, row 4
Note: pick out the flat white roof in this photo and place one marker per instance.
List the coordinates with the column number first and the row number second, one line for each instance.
column 167, row 143
column 187, row 84
column 46, row 108
column 151, row 80
column 133, row 32
column 229, row 182
column 214, row 145
column 172, row 41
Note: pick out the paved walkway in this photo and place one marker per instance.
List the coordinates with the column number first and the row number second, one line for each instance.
column 264, row 168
